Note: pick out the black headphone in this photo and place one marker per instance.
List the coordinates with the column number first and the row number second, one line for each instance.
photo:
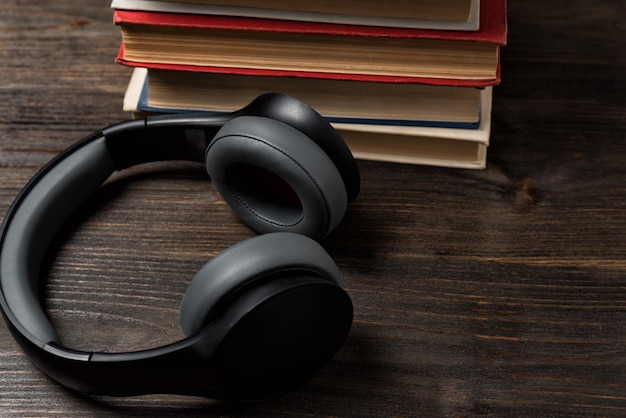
column 262, row 316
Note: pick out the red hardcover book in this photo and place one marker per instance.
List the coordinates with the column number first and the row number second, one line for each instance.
column 253, row 46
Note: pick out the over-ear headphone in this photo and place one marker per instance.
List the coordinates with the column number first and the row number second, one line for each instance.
column 259, row 318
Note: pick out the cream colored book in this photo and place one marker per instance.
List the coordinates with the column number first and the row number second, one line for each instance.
column 435, row 146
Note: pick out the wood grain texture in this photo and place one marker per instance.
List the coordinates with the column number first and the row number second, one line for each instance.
column 496, row 292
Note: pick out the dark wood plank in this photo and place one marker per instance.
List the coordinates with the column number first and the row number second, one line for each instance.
column 494, row 292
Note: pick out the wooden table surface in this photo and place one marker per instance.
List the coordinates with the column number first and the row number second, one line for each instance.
column 498, row 292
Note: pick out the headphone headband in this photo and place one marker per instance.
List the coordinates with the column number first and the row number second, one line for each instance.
column 32, row 221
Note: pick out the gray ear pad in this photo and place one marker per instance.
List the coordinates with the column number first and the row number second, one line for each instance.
column 247, row 263
column 275, row 178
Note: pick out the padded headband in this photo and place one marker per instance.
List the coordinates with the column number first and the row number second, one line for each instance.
column 35, row 217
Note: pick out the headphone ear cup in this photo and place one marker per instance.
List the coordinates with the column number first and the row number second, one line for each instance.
column 251, row 262
column 275, row 178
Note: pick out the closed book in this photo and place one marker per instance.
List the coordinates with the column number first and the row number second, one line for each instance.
column 274, row 47
column 419, row 14
column 337, row 100
column 425, row 145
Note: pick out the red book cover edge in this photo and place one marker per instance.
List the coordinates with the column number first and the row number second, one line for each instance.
column 321, row 75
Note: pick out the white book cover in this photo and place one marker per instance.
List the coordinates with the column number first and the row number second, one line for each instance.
column 472, row 24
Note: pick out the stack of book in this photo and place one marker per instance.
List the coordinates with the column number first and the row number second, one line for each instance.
column 407, row 81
